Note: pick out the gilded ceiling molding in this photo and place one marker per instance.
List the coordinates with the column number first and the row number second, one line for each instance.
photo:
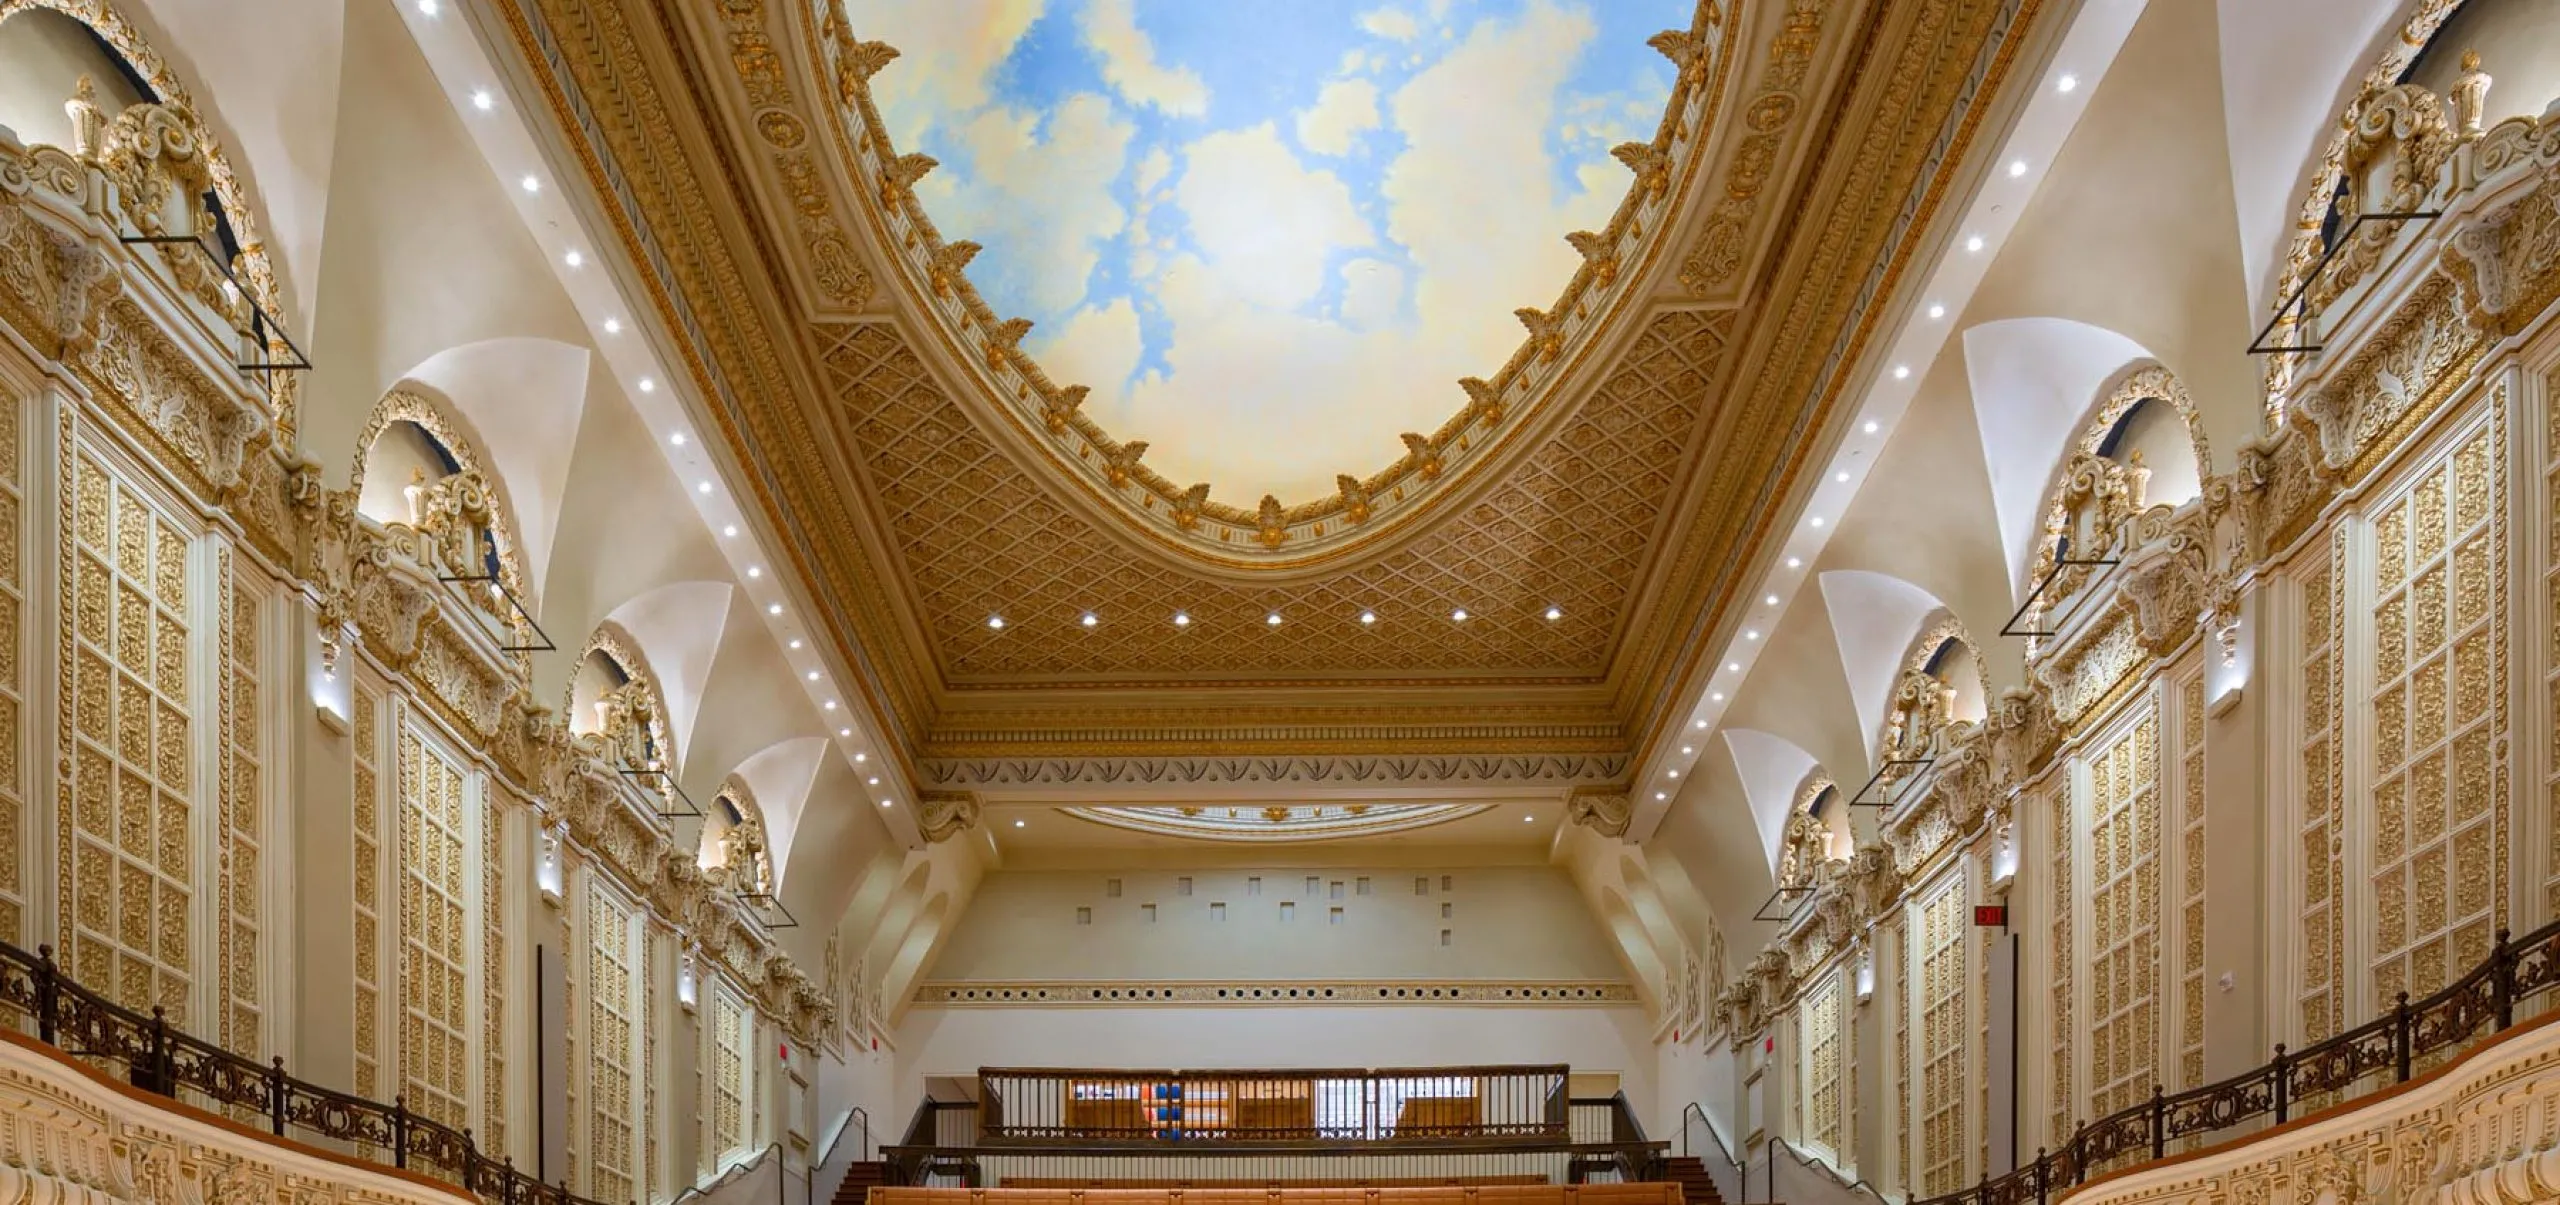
column 1547, row 769
column 228, row 185
column 1122, row 993
column 1490, row 429
column 835, row 266
column 1249, row 823
column 1717, row 253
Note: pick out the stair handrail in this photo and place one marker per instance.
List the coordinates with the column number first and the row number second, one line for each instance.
column 1859, row 1185
column 809, row 1194
column 1741, row 1172
column 743, row 1167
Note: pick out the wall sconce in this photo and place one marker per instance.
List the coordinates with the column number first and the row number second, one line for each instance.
column 2004, row 859
column 1866, row 976
column 548, row 873
column 686, row 990
column 2228, row 672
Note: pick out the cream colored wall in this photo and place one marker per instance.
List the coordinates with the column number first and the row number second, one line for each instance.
column 42, row 55
column 1505, row 922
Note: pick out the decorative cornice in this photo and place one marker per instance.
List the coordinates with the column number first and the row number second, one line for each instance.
column 1541, row 770
column 1267, row 992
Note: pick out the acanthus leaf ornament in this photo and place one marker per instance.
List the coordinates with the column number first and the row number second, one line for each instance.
column 1421, row 454
column 1004, row 339
column 1059, row 411
column 1187, row 508
column 942, row 815
column 1595, row 252
column 1606, row 810
column 1355, row 497
column 898, row 176
column 1484, row 402
column 949, row 263
column 1650, row 163
column 1271, row 523
column 1120, row 464
column 1545, row 331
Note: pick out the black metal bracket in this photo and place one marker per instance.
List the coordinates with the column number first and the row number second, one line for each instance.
column 2046, row 583
column 264, row 327
column 685, row 809
column 543, row 639
column 1876, row 782
column 1792, row 896
column 2294, row 301
column 768, row 908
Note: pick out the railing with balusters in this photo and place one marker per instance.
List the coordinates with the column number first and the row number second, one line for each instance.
column 159, row 1058
column 2485, row 997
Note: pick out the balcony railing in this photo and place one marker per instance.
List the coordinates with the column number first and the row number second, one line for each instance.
column 1393, row 1127
column 2383, row 1050
column 158, row 1058
column 1049, row 1105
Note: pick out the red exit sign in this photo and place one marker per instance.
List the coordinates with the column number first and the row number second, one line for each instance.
column 1991, row 916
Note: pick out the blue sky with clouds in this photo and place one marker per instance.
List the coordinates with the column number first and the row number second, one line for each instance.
column 1270, row 236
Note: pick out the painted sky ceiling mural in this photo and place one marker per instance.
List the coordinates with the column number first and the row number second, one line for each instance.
column 1271, row 236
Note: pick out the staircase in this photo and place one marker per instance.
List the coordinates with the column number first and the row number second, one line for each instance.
column 861, row 1178
column 1690, row 1173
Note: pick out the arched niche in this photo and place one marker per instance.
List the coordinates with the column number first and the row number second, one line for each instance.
column 1938, row 694
column 1817, row 832
column 418, row 471
column 2139, row 456
column 2516, row 42
column 734, row 847
column 44, row 54
column 614, row 709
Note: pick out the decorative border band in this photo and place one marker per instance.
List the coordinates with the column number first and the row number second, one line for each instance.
column 1265, row 992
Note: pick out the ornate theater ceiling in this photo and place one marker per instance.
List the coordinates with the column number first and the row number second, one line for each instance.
column 1182, row 404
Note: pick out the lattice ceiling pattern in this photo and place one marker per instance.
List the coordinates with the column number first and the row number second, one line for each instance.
column 1569, row 530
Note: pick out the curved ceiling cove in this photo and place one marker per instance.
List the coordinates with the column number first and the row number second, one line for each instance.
column 1264, row 250
column 1299, row 823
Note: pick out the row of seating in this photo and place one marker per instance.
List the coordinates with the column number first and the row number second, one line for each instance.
column 1483, row 1194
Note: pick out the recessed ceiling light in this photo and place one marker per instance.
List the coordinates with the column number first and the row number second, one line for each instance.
column 755, row 571
column 2066, row 83
column 1528, row 820
column 1871, row 427
column 812, row 675
column 1273, row 619
column 1795, row 562
column 1686, row 751
column 1017, row 824
column 1973, row 242
column 885, row 803
column 1770, row 600
column 1751, row 634
column 1701, row 724
column 2017, row 168
column 482, row 101
column 1733, row 667
column 613, row 326
column 1368, row 617
column 1458, row 616
column 1660, row 795
column 874, row 780
column 795, row 643
column 702, row 487
column 730, row 530
column 1842, row 476
column 428, row 7
column 1089, row 619
column 1554, row 614
column 1671, row 774
column 677, row 439
column 1182, row 619
column 995, row 623
column 773, row 608
column 1717, row 697
column 845, row 732
column 530, row 184
column 648, row 384
column 831, row 705
column 1937, row 311
column 1817, row 520
column 573, row 259
column 861, row 757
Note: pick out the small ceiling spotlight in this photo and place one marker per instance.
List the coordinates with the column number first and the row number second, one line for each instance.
column 1089, row 619
column 1273, row 619
column 1182, row 619
column 887, row 803
column 1017, row 824
column 1817, row 520
column 995, row 623
column 677, row 439
column 2017, row 168
column 574, row 259
column 1751, row 634
column 1770, row 600
column 1554, row 614
column 773, row 608
column 1733, row 667
column 795, row 643
column 1528, row 820
column 2066, row 83
column 1973, row 243
column 1936, row 311
column 702, row 487
column 1717, row 697
column 831, row 705
column 1872, row 427
column 1842, row 476
column 844, row 732
column 1686, row 751
column 859, row 758
column 1795, row 562
column 1701, row 725
column 1368, row 617
column 648, row 384
column 613, row 326
column 730, row 530
column 1671, row 774
column 530, row 183
column 429, row 8
column 1902, row 372
column 874, row 780
column 1458, row 616
column 482, row 101
column 812, row 675
column 1659, row 795
column 754, row 571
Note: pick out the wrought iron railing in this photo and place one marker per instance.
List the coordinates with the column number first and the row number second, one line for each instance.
column 159, row 1058
column 2392, row 1044
column 1357, row 1105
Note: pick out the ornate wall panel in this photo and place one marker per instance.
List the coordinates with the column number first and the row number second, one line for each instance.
column 2191, row 857
column 2319, row 999
column 2064, row 1029
column 493, row 968
column 613, row 1024
column 727, row 1076
column 13, row 734
column 2124, row 913
column 1938, row 959
column 2551, row 637
column 243, row 803
column 127, row 845
column 2437, row 847
column 366, row 793
column 436, row 1017
column 1819, row 1039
